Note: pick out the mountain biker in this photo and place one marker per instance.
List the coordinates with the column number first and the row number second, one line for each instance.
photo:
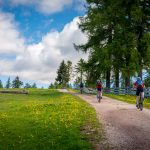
column 81, row 87
column 139, row 89
column 99, row 88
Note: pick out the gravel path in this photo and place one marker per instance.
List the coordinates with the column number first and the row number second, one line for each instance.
column 126, row 127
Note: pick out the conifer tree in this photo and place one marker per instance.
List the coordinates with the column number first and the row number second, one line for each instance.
column 16, row 83
column 63, row 73
column 1, row 84
column 8, row 83
column 34, row 85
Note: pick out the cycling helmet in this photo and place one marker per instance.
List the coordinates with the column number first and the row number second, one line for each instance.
column 138, row 78
column 98, row 81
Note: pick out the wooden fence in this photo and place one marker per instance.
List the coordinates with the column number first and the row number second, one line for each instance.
column 117, row 91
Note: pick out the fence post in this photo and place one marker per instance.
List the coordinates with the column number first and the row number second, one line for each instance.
column 116, row 91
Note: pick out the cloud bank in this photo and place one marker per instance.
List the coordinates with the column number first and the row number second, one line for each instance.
column 46, row 6
column 38, row 62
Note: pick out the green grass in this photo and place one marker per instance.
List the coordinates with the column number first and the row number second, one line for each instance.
column 129, row 99
column 73, row 90
column 46, row 120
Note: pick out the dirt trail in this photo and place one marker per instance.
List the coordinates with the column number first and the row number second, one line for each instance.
column 126, row 127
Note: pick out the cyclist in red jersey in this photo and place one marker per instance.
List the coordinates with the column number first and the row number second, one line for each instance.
column 99, row 88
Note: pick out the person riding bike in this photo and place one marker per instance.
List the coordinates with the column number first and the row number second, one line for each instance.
column 81, row 87
column 139, row 89
column 99, row 88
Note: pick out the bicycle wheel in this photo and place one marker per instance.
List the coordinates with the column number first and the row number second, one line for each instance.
column 141, row 106
column 99, row 99
column 141, row 103
column 81, row 90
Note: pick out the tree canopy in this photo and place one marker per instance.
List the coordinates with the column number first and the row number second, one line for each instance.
column 64, row 73
column 118, row 39
column 16, row 83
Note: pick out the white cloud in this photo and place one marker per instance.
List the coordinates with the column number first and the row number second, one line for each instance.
column 47, row 6
column 40, row 61
column 10, row 38
column 44, row 6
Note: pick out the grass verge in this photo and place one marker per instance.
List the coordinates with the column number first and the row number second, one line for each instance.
column 129, row 99
column 46, row 120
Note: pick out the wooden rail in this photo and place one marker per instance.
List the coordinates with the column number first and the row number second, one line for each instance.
column 14, row 91
column 117, row 91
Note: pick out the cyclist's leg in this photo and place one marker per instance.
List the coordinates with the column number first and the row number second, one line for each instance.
column 142, row 95
column 97, row 93
column 137, row 98
column 101, row 93
column 141, row 100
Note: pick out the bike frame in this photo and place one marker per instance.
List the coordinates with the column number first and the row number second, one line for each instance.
column 99, row 94
column 81, row 90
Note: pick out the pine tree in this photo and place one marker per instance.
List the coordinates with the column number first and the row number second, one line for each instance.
column 8, row 83
column 27, row 85
column 141, row 22
column 62, row 74
column 80, row 69
column 16, row 83
column 69, row 70
column 55, row 85
column 34, row 85
column 51, row 86
column 118, row 38
column 1, row 84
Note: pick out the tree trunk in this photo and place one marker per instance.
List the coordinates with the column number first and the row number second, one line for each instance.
column 81, row 76
column 117, row 78
column 108, row 79
column 140, row 72
column 127, row 82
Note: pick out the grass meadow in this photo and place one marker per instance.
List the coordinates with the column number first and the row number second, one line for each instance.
column 46, row 120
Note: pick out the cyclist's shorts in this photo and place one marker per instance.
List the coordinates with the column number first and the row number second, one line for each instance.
column 99, row 89
column 138, row 91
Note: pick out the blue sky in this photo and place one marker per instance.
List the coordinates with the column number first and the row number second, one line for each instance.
column 33, row 24
column 35, row 36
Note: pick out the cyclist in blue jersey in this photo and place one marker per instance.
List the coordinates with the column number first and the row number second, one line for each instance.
column 139, row 89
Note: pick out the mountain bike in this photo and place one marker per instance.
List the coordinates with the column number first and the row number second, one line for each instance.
column 140, row 104
column 81, row 90
column 99, row 96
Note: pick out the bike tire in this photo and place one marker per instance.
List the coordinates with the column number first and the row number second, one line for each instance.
column 99, row 99
column 141, row 106
column 141, row 103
